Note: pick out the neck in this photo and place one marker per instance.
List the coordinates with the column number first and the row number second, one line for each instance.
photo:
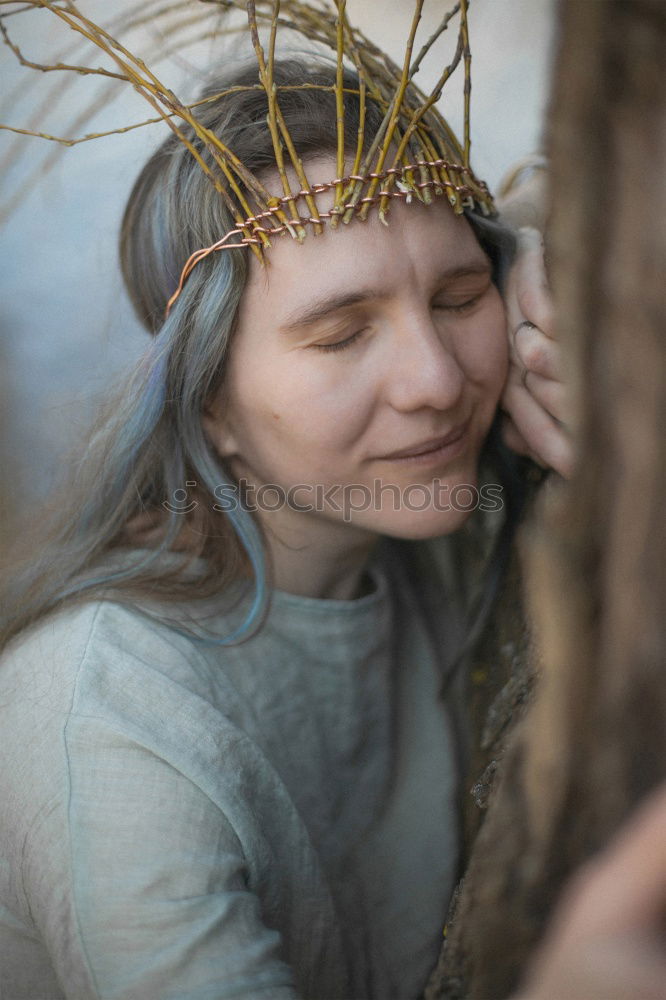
column 328, row 563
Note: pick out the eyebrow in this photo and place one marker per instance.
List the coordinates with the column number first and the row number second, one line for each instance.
column 324, row 307
column 337, row 301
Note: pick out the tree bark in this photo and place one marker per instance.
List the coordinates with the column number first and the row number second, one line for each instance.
column 594, row 741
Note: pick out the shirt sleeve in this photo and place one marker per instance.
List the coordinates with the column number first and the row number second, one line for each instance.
column 152, row 898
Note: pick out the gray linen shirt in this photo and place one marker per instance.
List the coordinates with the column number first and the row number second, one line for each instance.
column 272, row 820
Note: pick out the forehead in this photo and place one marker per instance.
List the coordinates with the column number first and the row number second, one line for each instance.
column 419, row 243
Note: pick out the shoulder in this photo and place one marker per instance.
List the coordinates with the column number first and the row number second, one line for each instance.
column 95, row 638
column 110, row 672
column 103, row 683
column 127, row 788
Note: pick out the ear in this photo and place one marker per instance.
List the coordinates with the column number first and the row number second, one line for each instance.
column 218, row 428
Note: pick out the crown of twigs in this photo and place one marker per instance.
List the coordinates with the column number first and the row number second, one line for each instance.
column 413, row 154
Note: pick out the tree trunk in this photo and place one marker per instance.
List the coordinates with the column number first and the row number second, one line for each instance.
column 594, row 741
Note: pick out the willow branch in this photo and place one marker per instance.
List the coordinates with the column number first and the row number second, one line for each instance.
column 339, row 98
column 467, row 89
column 416, row 65
column 265, row 76
column 56, row 67
column 395, row 111
column 418, row 114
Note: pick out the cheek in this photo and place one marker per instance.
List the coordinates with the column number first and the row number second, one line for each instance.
column 483, row 351
column 294, row 401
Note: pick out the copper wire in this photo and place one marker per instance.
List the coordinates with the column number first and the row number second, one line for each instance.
column 253, row 222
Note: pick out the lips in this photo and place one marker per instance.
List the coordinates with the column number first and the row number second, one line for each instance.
column 430, row 445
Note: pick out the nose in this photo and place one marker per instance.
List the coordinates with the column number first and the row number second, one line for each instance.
column 422, row 371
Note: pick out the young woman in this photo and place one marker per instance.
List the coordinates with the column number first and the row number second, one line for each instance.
column 229, row 768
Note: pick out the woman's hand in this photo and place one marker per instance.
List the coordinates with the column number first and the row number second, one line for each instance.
column 535, row 398
column 608, row 938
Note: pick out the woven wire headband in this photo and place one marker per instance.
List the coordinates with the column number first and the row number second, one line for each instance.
column 414, row 152
column 406, row 188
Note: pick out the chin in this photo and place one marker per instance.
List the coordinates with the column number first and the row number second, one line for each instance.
column 415, row 526
column 451, row 501
column 428, row 510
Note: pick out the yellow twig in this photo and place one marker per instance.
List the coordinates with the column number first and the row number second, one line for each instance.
column 57, row 67
column 417, row 115
column 396, row 107
column 339, row 100
column 266, row 77
column 416, row 65
column 467, row 89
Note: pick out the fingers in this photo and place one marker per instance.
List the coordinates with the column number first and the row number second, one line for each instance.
column 552, row 396
column 538, row 363
column 607, row 938
column 625, row 887
column 522, row 199
column 593, row 969
column 537, row 352
column 527, row 293
column 536, row 395
column 532, row 289
column 545, row 438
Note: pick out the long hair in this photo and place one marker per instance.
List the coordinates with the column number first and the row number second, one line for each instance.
column 148, row 478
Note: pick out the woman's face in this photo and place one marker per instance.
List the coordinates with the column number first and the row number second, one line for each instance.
column 365, row 373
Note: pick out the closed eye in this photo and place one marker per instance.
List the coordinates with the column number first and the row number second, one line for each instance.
column 463, row 295
column 340, row 345
column 459, row 307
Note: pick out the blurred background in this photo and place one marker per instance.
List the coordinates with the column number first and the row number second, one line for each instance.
column 66, row 328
